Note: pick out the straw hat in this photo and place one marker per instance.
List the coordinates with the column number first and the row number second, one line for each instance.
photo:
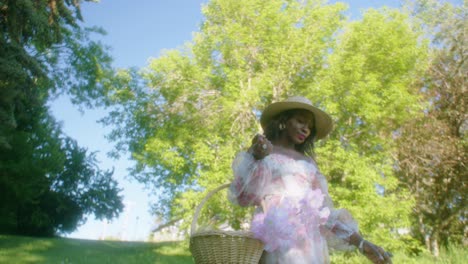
column 323, row 122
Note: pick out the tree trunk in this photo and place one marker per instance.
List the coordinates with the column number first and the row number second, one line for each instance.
column 435, row 245
column 422, row 230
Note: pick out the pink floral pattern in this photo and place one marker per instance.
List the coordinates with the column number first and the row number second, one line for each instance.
column 275, row 229
column 295, row 217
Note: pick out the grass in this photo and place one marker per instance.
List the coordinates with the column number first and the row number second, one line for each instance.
column 453, row 255
column 19, row 250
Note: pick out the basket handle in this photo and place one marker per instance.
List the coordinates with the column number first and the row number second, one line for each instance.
column 197, row 210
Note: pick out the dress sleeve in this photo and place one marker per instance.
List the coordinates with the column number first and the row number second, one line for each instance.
column 340, row 224
column 250, row 176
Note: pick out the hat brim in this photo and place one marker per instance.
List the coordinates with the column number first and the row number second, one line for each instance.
column 323, row 122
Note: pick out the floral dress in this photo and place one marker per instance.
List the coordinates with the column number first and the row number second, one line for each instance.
column 295, row 217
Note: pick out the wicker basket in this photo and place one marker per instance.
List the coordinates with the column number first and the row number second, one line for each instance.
column 216, row 246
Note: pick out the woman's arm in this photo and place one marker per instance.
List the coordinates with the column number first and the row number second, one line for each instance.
column 342, row 228
column 251, row 173
column 373, row 252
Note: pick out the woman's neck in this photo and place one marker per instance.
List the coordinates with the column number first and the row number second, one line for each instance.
column 284, row 143
column 290, row 152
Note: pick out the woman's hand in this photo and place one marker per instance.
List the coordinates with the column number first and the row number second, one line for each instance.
column 261, row 147
column 375, row 253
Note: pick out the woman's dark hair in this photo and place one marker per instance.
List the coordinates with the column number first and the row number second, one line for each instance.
column 273, row 132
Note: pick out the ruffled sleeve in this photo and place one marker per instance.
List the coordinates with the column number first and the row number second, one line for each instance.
column 249, row 176
column 340, row 224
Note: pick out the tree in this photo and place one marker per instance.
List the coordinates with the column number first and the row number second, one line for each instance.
column 432, row 147
column 47, row 182
column 201, row 104
column 365, row 87
column 195, row 108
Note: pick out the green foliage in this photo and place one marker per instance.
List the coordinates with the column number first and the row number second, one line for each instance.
column 432, row 147
column 366, row 89
column 196, row 107
column 47, row 182
column 44, row 52
column 199, row 108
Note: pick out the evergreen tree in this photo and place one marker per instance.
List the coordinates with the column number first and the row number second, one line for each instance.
column 48, row 184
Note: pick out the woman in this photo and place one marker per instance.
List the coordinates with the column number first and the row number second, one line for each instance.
column 295, row 217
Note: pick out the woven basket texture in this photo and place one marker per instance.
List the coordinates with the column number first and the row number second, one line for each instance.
column 223, row 247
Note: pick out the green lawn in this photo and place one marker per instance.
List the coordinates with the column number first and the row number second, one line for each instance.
column 17, row 249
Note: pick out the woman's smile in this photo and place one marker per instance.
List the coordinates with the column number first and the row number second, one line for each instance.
column 301, row 137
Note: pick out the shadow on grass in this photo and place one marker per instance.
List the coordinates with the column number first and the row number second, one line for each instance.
column 17, row 249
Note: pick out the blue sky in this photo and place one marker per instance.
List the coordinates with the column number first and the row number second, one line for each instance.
column 137, row 30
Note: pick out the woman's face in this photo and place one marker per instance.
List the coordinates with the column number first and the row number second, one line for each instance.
column 299, row 126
